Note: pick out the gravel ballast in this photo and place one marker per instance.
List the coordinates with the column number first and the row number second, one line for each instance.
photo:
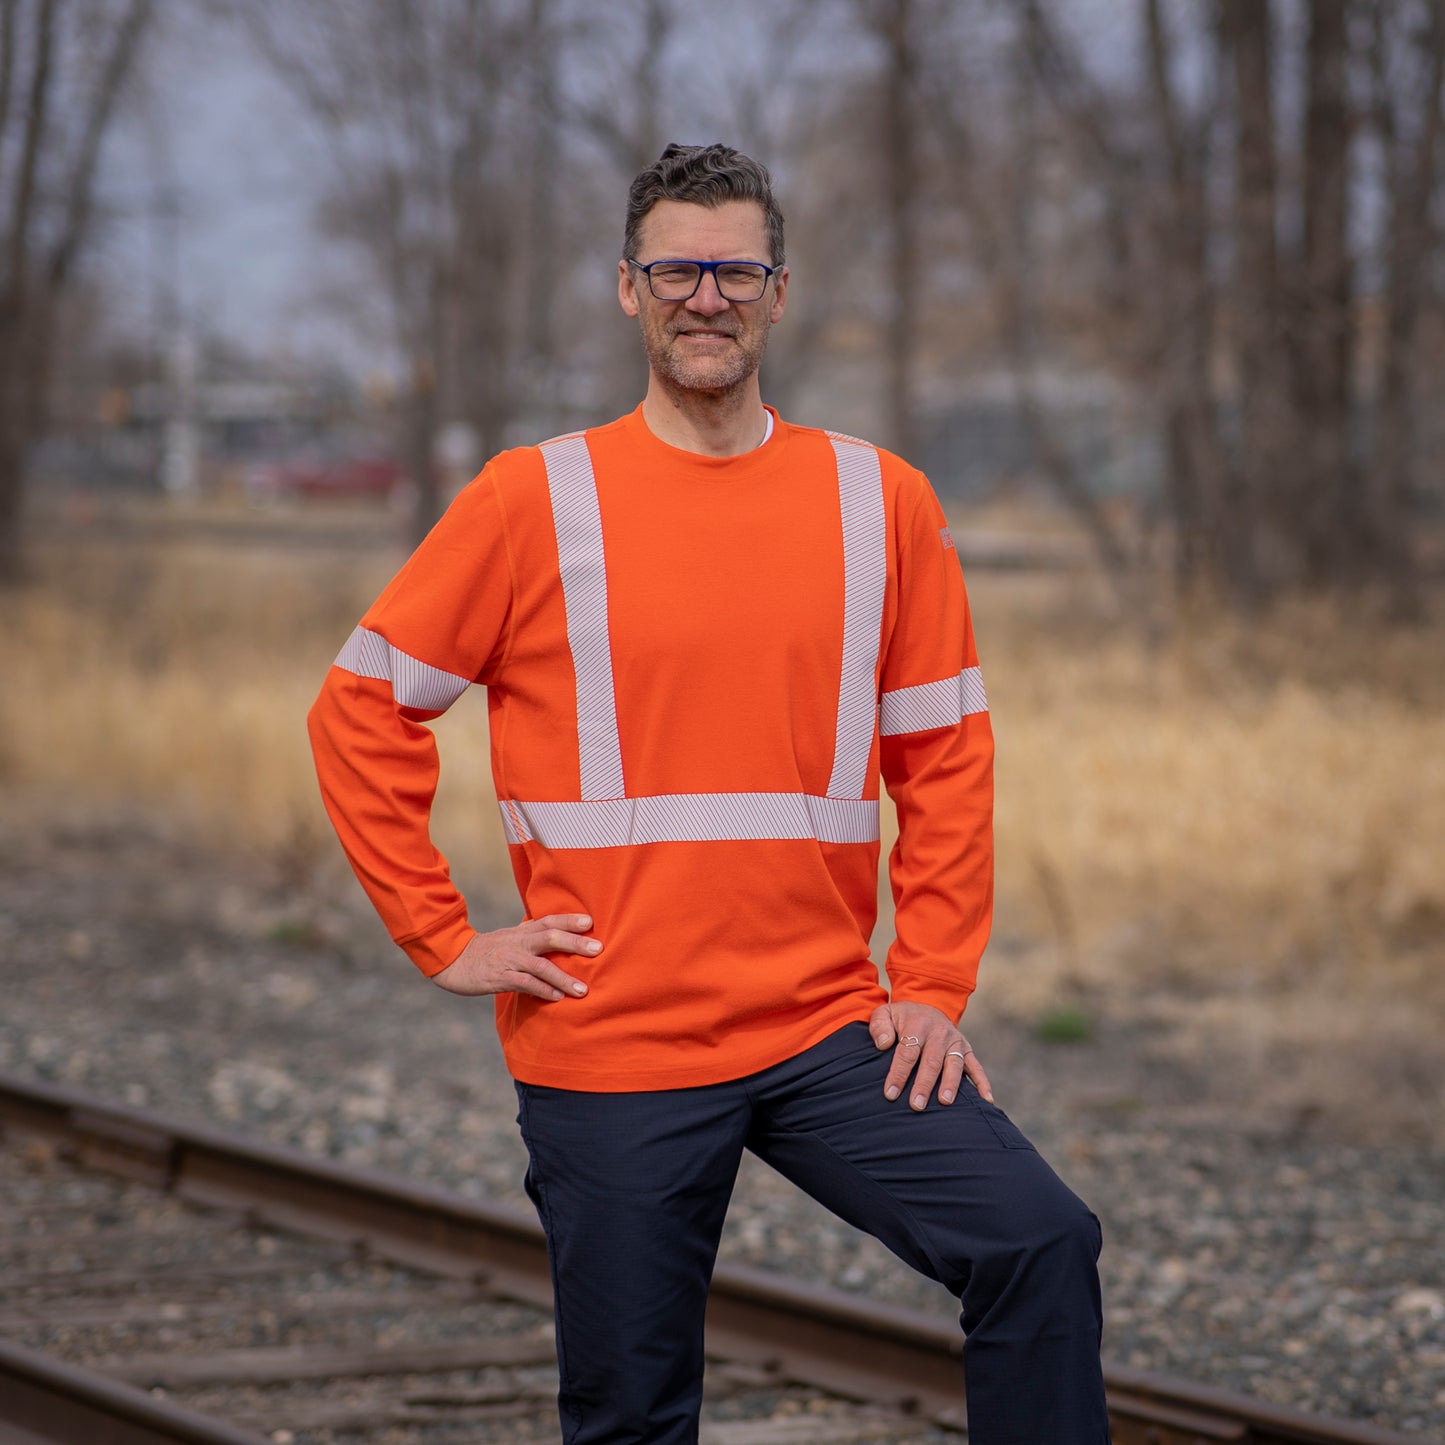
column 1297, row 1257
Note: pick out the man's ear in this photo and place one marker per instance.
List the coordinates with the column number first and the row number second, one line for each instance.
column 780, row 296
column 627, row 290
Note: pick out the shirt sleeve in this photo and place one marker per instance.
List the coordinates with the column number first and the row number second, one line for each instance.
column 441, row 624
column 936, row 747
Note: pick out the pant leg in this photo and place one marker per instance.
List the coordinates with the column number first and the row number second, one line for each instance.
column 960, row 1194
column 631, row 1189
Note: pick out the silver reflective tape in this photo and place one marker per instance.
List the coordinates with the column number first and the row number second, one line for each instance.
column 414, row 684
column 942, row 704
column 691, row 818
column 578, row 522
column 865, row 576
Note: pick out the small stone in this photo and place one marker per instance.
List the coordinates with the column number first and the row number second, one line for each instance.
column 1420, row 1301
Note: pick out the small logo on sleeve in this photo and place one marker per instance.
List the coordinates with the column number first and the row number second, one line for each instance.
column 947, row 539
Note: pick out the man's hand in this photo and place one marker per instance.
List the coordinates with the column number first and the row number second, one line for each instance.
column 510, row 960
column 928, row 1042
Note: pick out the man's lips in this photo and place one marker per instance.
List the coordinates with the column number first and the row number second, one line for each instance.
column 698, row 334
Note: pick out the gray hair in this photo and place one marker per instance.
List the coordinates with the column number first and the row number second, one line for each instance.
column 708, row 176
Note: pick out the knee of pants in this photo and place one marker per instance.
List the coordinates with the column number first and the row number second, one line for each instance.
column 1054, row 1256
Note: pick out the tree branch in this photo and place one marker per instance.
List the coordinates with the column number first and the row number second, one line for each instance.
column 81, row 189
column 36, row 119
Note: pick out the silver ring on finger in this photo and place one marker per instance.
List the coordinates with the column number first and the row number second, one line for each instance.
column 912, row 1041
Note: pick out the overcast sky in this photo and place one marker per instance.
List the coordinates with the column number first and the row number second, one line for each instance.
column 218, row 133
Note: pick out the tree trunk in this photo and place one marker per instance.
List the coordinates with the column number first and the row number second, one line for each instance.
column 900, row 161
column 1323, row 334
column 419, row 422
column 1206, row 524
column 1411, row 184
column 48, row 215
column 1266, row 548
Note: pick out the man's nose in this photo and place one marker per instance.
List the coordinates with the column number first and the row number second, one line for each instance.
column 707, row 300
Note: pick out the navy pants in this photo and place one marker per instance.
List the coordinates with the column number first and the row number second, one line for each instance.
column 632, row 1189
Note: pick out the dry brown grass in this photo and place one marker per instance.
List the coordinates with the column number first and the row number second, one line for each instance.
column 1251, row 816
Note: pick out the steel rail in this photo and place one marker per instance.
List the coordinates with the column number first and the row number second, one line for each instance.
column 44, row 1400
column 803, row 1333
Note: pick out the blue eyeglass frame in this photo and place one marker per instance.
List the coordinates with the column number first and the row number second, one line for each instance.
column 703, row 268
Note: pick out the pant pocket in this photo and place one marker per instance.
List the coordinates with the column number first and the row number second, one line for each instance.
column 1004, row 1129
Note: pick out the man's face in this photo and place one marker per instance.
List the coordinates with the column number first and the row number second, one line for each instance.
column 705, row 343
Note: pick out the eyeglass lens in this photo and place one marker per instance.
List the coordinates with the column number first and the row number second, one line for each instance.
column 736, row 280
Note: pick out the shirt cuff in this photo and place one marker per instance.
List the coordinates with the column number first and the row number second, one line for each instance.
column 948, row 996
column 434, row 951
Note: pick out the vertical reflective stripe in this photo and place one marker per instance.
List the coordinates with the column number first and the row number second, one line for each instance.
column 578, row 520
column 865, row 575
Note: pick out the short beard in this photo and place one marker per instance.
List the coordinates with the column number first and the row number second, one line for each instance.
column 681, row 374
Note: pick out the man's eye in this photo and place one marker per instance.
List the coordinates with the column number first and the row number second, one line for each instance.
column 674, row 275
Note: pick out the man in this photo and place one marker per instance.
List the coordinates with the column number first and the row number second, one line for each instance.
column 704, row 633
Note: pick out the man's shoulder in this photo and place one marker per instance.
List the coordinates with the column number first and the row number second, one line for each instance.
column 519, row 469
column 895, row 468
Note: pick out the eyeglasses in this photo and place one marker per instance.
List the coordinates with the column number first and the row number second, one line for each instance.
column 679, row 280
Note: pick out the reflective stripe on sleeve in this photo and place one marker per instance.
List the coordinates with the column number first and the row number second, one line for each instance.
column 577, row 518
column 865, row 577
column 942, row 704
column 414, row 684
column 691, row 818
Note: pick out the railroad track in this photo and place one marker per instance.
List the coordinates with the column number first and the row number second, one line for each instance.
column 164, row 1282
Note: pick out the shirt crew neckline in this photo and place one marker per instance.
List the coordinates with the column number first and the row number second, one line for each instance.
column 762, row 460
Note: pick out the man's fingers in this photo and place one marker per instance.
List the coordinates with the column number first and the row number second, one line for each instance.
column 571, row 922
column 974, row 1070
column 520, row 981
column 561, row 933
column 555, row 980
column 951, row 1076
column 880, row 1026
column 558, row 940
column 905, row 1057
column 930, row 1065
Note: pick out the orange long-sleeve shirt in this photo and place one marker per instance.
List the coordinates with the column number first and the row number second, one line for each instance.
column 696, row 670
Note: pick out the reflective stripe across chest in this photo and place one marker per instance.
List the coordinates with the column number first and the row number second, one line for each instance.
column 606, row 815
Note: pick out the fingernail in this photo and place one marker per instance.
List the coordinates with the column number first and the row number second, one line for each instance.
column 593, row 946
column 584, row 921
column 579, row 988
column 989, row 1097
column 946, row 1096
column 885, row 1040
column 919, row 1102
column 891, row 1092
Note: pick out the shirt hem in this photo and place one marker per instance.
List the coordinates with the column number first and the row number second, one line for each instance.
column 737, row 1064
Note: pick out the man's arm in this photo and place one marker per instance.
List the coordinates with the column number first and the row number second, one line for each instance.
column 937, row 760
column 441, row 624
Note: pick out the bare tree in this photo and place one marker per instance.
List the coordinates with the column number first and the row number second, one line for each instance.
column 1239, row 306
column 1323, row 330
column 63, row 69
column 415, row 104
column 895, row 24
column 1410, row 125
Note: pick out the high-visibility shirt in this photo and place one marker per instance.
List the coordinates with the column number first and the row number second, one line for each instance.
column 697, row 669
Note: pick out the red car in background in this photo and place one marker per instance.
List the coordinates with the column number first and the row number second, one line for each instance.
column 329, row 473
